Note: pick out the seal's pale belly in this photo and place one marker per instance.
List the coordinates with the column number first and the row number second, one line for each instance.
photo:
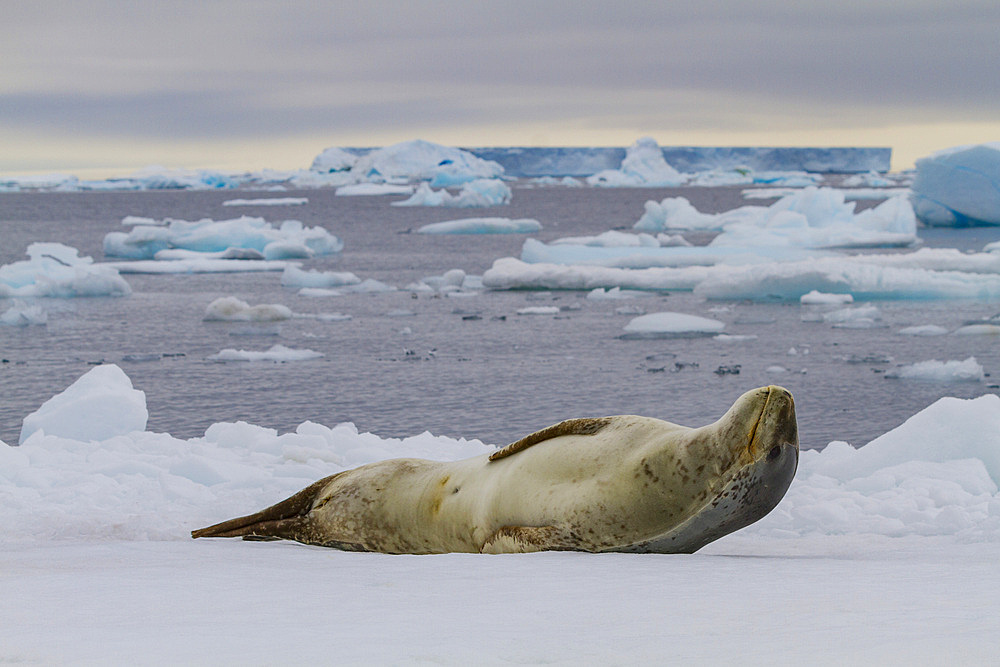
column 615, row 483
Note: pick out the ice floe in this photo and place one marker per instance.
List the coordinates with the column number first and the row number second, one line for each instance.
column 672, row 325
column 373, row 190
column 276, row 353
column 483, row 226
column 968, row 370
column 268, row 201
column 233, row 309
column 290, row 239
column 294, row 276
column 480, row 193
column 924, row 330
column 959, row 186
column 21, row 314
column 57, row 270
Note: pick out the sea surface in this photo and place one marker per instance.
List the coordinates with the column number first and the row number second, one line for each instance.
column 468, row 367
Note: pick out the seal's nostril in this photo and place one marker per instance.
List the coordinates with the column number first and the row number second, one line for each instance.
column 774, row 453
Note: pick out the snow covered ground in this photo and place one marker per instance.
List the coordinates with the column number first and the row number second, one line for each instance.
column 881, row 555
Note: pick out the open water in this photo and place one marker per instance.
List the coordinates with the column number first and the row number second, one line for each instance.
column 464, row 367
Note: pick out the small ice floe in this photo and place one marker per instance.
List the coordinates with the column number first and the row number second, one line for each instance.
column 21, row 314
column 924, row 330
column 316, row 292
column 978, row 329
column 276, row 353
column 479, row 193
column 862, row 317
column 817, row 298
column 269, row 201
column 776, row 369
column 483, row 226
column 967, row 370
column 614, row 294
column 455, row 282
column 539, row 310
column 734, row 338
column 373, row 190
column 232, row 309
column 141, row 220
column 323, row 317
column 672, row 325
column 293, row 276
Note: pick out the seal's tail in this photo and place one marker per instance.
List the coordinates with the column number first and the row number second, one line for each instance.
column 285, row 520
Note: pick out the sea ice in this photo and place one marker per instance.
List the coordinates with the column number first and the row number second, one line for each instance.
column 276, row 353
column 210, row 236
column 815, row 298
column 642, row 167
column 482, row 226
column 479, row 193
column 56, row 270
column 373, row 189
column 968, row 370
column 269, row 201
column 21, row 314
column 539, row 310
column 100, row 405
column 671, row 325
column 924, row 330
column 293, row 276
column 232, row 309
column 959, row 186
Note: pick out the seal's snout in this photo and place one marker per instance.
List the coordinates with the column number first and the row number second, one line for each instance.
column 776, row 427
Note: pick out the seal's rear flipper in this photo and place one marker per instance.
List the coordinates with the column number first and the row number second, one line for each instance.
column 274, row 521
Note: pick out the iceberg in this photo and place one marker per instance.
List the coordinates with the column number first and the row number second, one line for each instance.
column 479, row 193
column 642, row 167
column 968, row 370
column 57, row 270
column 289, row 240
column 420, row 160
column 100, row 405
column 333, row 159
column 482, row 226
column 959, row 187
column 21, row 314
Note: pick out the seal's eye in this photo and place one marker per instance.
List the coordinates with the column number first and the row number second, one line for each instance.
column 774, row 453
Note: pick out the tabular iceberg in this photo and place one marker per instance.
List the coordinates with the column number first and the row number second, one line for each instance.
column 959, row 187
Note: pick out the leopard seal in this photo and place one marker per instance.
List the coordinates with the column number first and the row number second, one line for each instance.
column 621, row 483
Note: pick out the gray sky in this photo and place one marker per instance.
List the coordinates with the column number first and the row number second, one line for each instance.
column 252, row 84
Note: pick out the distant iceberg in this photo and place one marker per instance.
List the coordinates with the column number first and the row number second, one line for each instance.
column 959, row 187
column 642, row 167
column 420, row 160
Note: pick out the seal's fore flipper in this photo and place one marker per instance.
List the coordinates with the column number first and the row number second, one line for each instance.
column 583, row 426
column 526, row 539
column 267, row 522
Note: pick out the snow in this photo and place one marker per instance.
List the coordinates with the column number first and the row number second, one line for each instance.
column 873, row 542
column 642, row 167
column 959, row 186
column 968, row 370
column 373, row 190
column 483, row 226
column 232, row 309
column 276, row 353
column 672, row 325
column 291, row 239
column 265, row 201
column 479, row 193
column 57, row 270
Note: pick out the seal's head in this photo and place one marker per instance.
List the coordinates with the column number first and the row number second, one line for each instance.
column 756, row 444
